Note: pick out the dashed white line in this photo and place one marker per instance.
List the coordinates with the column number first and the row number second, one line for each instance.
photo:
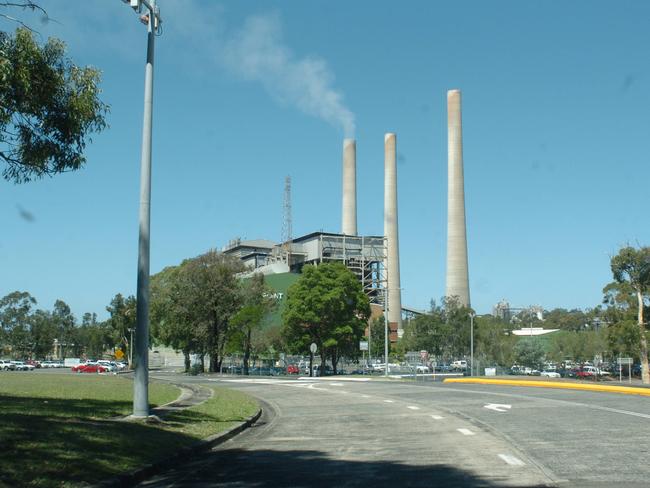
column 389, row 401
column 511, row 460
column 437, row 417
column 465, row 431
column 365, row 396
column 413, row 407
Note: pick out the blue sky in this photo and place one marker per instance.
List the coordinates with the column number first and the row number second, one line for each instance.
column 555, row 121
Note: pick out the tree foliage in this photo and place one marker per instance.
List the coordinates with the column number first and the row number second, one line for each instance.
column 326, row 306
column 256, row 305
column 631, row 268
column 193, row 304
column 48, row 108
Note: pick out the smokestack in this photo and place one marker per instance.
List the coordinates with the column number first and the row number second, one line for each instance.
column 349, row 219
column 457, row 269
column 392, row 237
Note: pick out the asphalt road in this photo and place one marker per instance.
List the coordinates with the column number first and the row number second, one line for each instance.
column 333, row 432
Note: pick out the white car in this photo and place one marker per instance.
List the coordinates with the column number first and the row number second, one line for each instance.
column 21, row 366
column 459, row 365
column 110, row 365
column 7, row 365
column 550, row 374
column 422, row 369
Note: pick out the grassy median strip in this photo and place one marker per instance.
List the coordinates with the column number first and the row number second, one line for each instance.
column 60, row 430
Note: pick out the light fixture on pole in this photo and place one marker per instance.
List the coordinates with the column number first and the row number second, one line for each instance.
column 385, row 331
column 141, row 379
column 471, row 351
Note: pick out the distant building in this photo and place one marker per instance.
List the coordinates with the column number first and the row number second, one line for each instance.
column 502, row 311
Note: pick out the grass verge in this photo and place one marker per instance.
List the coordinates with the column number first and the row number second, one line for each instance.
column 58, row 430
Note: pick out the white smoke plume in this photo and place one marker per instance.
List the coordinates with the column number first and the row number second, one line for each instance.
column 257, row 52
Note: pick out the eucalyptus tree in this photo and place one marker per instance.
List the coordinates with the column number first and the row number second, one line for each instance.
column 257, row 303
column 632, row 267
column 49, row 107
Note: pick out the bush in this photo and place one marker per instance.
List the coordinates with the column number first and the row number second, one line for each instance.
column 196, row 369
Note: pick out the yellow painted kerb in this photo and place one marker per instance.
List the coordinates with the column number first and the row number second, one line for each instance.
column 627, row 390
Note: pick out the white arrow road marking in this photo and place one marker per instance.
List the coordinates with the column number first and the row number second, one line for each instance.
column 437, row 417
column 412, row 407
column 465, row 431
column 511, row 460
column 498, row 407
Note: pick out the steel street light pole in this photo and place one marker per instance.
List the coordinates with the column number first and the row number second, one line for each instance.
column 471, row 352
column 141, row 380
column 386, row 332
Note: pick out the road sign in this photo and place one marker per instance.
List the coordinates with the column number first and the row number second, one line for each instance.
column 413, row 357
column 313, row 348
column 119, row 354
column 623, row 361
column 363, row 345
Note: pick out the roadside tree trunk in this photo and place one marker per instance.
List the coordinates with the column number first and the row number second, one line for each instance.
column 247, row 351
column 186, row 357
column 335, row 360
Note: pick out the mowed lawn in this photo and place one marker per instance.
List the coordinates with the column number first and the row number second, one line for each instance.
column 61, row 429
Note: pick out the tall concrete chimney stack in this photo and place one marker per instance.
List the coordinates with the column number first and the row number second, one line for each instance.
column 457, row 269
column 392, row 236
column 349, row 219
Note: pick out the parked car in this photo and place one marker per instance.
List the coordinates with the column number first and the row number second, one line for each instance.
column 109, row 365
column 6, row 365
column 422, row 369
column 550, row 374
column 33, row 362
column 293, row 369
column 22, row 366
column 89, row 368
column 459, row 365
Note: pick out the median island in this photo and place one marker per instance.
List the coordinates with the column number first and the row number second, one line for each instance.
column 68, row 430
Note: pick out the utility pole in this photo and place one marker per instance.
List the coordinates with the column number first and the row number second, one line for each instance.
column 471, row 351
column 141, row 380
column 386, row 332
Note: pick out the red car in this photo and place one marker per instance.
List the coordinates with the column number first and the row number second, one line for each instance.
column 293, row 369
column 89, row 368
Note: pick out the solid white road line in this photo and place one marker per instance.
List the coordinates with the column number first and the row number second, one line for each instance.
column 511, row 460
column 465, row 431
column 412, row 407
column 437, row 417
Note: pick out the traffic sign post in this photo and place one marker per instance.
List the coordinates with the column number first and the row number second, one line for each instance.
column 628, row 363
column 312, row 350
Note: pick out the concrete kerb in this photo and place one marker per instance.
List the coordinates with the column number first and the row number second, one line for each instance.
column 190, row 395
column 626, row 390
column 135, row 476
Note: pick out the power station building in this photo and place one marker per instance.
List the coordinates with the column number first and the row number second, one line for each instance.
column 363, row 255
